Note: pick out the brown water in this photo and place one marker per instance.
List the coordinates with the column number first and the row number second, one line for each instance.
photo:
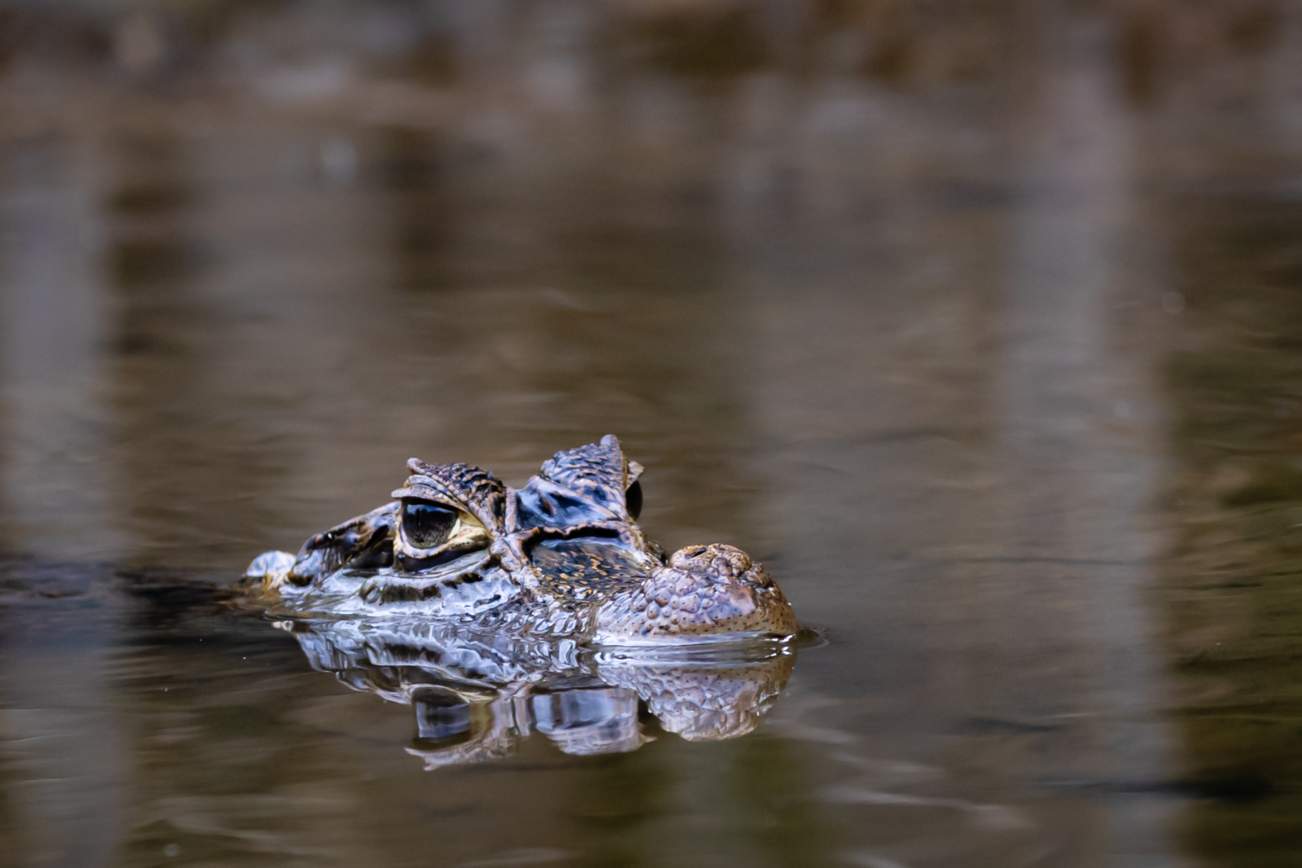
column 981, row 330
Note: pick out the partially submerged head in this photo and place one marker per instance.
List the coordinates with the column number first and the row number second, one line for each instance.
column 566, row 548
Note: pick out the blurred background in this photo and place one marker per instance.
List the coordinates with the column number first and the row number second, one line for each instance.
column 980, row 322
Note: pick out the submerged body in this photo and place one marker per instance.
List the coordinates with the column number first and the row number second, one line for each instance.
column 561, row 557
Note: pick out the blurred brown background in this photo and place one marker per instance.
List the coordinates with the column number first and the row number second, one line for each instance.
column 978, row 321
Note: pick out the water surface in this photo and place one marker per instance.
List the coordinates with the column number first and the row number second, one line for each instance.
column 986, row 344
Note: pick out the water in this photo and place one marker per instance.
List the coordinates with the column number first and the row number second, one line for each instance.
column 981, row 331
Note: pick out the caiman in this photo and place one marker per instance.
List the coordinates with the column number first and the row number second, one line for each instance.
column 560, row 558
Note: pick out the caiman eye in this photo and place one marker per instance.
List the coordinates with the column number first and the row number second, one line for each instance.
column 428, row 525
column 633, row 499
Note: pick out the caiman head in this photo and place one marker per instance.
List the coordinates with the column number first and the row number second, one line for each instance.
column 561, row 556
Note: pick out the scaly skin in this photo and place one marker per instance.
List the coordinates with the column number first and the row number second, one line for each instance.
column 561, row 557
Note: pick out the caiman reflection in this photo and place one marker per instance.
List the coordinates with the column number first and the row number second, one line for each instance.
column 476, row 697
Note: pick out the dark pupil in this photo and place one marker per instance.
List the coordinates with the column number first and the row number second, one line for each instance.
column 633, row 499
column 427, row 525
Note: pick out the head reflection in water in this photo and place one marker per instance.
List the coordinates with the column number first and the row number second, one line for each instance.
column 476, row 697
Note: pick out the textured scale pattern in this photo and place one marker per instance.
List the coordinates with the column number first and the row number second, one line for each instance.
column 558, row 557
column 335, row 548
column 468, row 592
column 476, row 488
column 706, row 590
column 584, row 571
column 596, row 471
column 703, row 703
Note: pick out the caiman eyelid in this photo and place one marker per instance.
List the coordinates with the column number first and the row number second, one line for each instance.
column 412, row 495
column 465, row 518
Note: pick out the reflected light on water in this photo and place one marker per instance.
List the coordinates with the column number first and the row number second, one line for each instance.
column 976, row 323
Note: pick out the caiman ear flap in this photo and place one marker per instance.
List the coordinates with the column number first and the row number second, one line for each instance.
column 598, row 472
column 465, row 486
